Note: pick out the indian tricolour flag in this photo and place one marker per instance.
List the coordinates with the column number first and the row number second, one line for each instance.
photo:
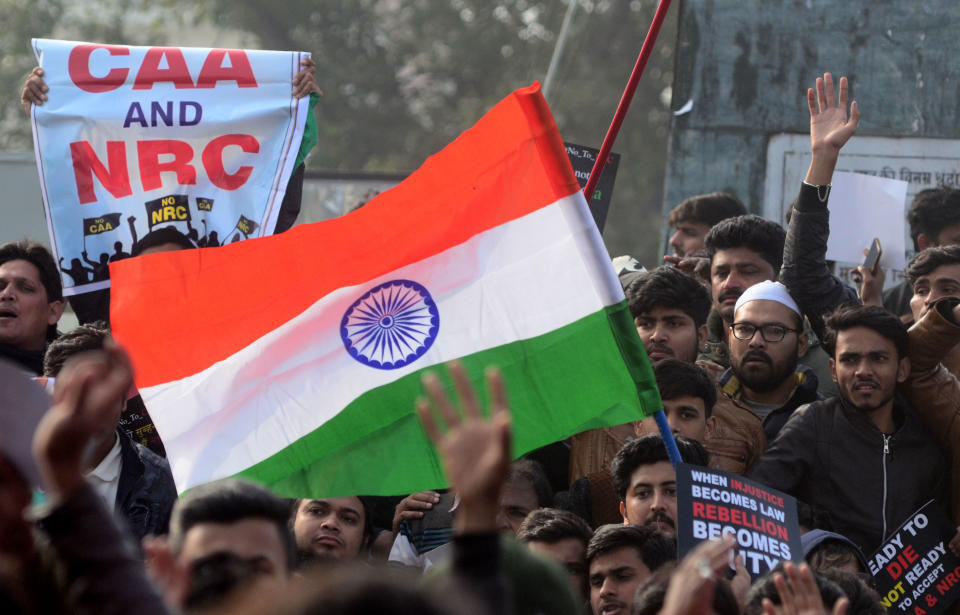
column 295, row 360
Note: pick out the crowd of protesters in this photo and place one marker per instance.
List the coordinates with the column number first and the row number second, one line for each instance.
column 768, row 366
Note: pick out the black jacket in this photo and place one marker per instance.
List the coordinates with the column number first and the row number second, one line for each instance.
column 146, row 492
column 804, row 271
column 835, row 459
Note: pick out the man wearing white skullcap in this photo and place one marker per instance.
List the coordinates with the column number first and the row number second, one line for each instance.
column 763, row 386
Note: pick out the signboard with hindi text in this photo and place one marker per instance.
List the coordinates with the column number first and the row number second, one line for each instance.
column 136, row 139
column 921, row 163
column 914, row 570
column 712, row 504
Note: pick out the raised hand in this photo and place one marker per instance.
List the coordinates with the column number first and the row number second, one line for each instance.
column 413, row 507
column 830, row 127
column 869, row 284
column 475, row 451
column 89, row 389
column 691, row 587
column 801, row 596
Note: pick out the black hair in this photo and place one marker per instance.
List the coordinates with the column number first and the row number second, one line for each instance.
column 651, row 594
column 863, row 599
column 160, row 236
column 532, row 472
column 848, row 316
column 80, row 339
column 39, row 256
column 369, row 531
column 552, row 525
column 353, row 588
column 932, row 210
column 764, row 588
column 676, row 378
column 925, row 262
column 763, row 236
column 668, row 287
column 813, row 517
column 646, row 450
column 706, row 209
column 832, row 553
column 229, row 501
column 653, row 546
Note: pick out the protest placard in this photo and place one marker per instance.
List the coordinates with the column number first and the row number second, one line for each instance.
column 136, row 139
column 712, row 504
column 582, row 159
column 914, row 570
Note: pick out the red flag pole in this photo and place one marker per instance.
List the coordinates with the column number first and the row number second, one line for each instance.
column 601, row 162
column 626, row 99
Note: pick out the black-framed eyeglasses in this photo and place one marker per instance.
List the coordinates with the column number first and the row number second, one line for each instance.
column 770, row 333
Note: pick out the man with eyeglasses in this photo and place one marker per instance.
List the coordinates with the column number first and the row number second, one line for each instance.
column 764, row 383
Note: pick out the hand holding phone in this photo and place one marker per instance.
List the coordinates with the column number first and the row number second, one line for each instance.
column 872, row 261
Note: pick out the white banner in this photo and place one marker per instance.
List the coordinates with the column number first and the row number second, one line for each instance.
column 135, row 139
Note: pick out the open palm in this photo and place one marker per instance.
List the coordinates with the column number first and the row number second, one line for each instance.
column 830, row 125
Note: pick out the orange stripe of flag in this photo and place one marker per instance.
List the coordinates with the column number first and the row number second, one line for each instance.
column 180, row 312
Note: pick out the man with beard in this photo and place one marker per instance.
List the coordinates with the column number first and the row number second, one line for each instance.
column 646, row 481
column 670, row 311
column 864, row 458
column 763, row 385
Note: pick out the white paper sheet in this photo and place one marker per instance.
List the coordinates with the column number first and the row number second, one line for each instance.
column 863, row 207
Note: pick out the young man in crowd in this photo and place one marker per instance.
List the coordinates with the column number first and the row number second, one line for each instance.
column 933, row 388
column 934, row 275
column 133, row 480
column 934, row 219
column 688, row 397
column 620, row 558
column 330, row 528
column 669, row 309
column 692, row 218
column 560, row 536
column 764, row 383
column 864, row 458
column 229, row 544
column 31, row 303
column 91, row 555
column 645, row 481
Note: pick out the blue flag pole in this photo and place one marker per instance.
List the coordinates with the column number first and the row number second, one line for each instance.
column 672, row 451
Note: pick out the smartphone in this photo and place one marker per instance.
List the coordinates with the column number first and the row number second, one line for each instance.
column 873, row 256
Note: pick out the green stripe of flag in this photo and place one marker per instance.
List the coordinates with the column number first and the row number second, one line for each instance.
column 591, row 373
